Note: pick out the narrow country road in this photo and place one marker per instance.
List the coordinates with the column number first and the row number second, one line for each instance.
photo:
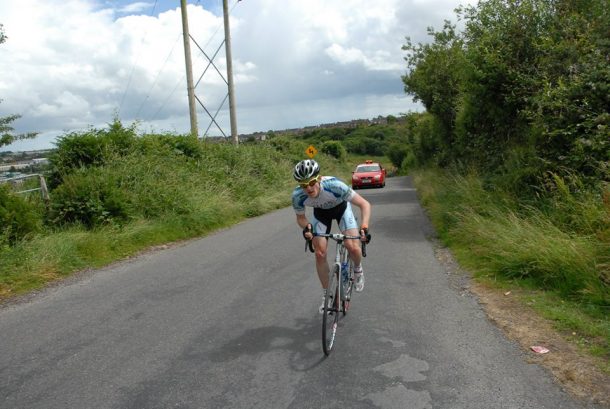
column 230, row 321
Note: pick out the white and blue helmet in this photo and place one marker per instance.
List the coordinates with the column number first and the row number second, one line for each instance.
column 305, row 170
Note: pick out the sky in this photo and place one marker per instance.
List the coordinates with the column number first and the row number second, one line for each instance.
column 72, row 65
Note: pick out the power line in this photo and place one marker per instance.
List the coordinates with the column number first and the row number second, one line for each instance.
column 184, row 75
column 157, row 76
column 133, row 67
column 181, row 80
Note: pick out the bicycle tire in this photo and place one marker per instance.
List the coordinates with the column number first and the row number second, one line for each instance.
column 330, row 317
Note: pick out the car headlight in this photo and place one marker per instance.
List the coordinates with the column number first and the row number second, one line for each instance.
column 377, row 177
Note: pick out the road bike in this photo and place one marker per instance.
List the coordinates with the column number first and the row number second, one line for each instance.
column 340, row 285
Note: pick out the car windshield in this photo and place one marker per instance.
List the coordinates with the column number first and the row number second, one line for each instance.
column 367, row 168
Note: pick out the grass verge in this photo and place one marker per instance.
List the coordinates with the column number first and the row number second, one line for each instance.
column 507, row 243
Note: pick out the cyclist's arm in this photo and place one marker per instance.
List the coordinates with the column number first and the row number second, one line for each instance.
column 307, row 234
column 302, row 221
column 365, row 209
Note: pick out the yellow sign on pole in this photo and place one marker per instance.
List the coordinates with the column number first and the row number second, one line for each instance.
column 311, row 151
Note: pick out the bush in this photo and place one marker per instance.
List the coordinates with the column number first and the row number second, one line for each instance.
column 78, row 150
column 89, row 197
column 334, row 149
column 176, row 144
column 427, row 145
column 18, row 217
column 288, row 146
column 408, row 163
column 397, row 152
column 528, row 74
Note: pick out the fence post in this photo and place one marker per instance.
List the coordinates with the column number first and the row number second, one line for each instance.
column 43, row 189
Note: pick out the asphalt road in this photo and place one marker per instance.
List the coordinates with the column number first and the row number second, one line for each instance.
column 230, row 321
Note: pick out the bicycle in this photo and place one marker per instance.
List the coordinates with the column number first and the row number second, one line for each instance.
column 340, row 285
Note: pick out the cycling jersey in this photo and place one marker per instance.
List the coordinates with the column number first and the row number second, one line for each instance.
column 332, row 193
column 331, row 204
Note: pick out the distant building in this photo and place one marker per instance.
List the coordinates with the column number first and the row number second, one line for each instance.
column 23, row 165
column 15, row 166
column 261, row 136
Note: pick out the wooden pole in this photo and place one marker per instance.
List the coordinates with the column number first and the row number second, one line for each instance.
column 230, row 73
column 43, row 189
column 189, row 70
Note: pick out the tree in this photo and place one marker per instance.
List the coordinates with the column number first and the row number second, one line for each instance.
column 6, row 135
column 525, row 85
column 502, row 45
column 570, row 113
column 6, row 130
column 434, row 77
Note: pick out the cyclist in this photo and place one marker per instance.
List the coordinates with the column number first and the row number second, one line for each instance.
column 331, row 199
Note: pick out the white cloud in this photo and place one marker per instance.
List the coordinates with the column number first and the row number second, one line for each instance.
column 345, row 56
column 135, row 7
column 70, row 64
column 380, row 60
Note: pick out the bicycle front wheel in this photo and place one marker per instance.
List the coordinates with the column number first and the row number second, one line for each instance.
column 330, row 318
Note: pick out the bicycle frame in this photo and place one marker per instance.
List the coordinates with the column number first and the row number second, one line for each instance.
column 341, row 257
column 341, row 253
column 339, row 289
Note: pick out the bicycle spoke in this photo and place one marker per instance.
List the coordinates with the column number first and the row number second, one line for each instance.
column 330, row 318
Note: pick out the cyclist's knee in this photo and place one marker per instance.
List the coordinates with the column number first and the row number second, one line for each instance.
column 352, row 246
column 321, row 254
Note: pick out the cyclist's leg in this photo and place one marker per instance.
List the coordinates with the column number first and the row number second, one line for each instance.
column 321, row 245
column 349, row 226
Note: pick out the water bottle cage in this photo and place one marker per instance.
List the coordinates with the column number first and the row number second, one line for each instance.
column 344, row 272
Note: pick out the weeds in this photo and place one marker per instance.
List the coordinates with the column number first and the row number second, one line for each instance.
column 153, row 190
column 557, row 244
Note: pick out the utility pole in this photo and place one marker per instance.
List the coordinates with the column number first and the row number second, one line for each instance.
column 230, row 73
column 189, row 70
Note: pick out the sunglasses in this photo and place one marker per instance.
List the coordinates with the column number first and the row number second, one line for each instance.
column 310, row 183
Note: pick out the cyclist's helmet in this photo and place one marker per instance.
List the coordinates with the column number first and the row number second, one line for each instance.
column 305, row 170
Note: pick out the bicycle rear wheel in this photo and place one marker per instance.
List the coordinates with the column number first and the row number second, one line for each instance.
column 330, row 318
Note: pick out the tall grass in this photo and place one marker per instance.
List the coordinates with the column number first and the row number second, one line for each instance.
column 557, row 243
column 530, row 247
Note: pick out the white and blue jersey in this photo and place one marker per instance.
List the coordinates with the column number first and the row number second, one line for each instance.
column 333, row 202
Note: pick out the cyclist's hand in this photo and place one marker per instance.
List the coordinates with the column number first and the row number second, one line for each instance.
column 307, row 233
column 364, row 234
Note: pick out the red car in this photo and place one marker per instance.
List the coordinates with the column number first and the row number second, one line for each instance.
column 368, row 174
